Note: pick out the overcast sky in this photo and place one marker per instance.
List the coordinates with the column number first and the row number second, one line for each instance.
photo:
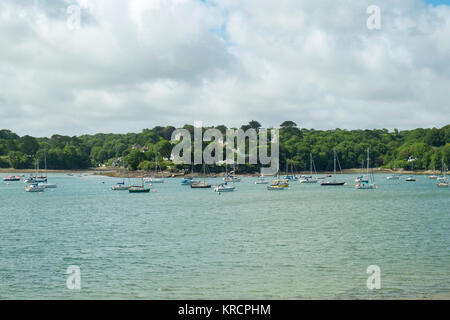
column 137, row 64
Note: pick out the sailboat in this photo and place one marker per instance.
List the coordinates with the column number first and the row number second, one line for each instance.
column 120, row 186
column 361, row 177
column 36, row 178
column 154, row 179
column 202, row 185
column 261, row 179
column 230, row 177
column 443, row 182
column 139, row 189
column 411, row 178
column 433, row 176
column 366, row 184
column 310, row 179
column 278, row 184
column 42, row 181
column 290, row 177
column 189, row 180
column 334, row 182
column 224, row 187
column 393, row 176
column 35, row 187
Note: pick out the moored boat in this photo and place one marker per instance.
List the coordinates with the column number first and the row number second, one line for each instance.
column 11, row 178
column 34, row 188
column 47, row 185
column 224, row 188
column 120, row 186
column 366, row 184
column 334, row 182
column 201, row 185
column 310, row 179
column 138, row 189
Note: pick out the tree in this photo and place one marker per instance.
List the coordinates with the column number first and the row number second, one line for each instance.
column 255, row 125
column 29, row 145
column 288, row 124
column 135, row 158
column 164, row 148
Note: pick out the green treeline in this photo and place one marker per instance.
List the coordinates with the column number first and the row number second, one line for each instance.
column 140, row 150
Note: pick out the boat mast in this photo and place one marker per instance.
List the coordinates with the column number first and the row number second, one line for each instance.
column 334, row 151
column 45, row 161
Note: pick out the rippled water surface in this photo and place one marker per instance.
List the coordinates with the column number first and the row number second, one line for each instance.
column 178, row 243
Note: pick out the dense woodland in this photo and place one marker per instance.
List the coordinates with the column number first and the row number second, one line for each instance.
column 138, row 151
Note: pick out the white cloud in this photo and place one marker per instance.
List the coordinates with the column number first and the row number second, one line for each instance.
column 136, row 64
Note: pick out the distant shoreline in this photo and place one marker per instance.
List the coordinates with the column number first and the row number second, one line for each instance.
column 121, row 173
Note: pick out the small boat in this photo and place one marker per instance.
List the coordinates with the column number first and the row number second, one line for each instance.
column 153, row 180
column 231, row 178
column 443, row 182
column 278, row 184
column 138, row 189
column 224, row 188
column 411, row 178
column 47, row 185
column 11, row 178
column 310, row 179
column 334, row 182
column 120, row 186
column 393, row 177
column 366, row 184
column 271, row 188
column 201, row 185
column 34, row 188
column 188, row 181
column 433, row 176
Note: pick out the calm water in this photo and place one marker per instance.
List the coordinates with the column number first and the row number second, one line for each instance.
column 177, row 243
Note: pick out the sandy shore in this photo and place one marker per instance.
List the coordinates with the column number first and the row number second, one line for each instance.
column 121, row 173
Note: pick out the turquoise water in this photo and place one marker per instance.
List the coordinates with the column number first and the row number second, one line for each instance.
column 308, row 242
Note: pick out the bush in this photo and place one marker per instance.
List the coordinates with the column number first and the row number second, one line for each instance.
column 4, row 163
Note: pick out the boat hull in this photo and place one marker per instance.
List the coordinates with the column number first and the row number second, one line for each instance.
column 332, row 184
column 139, row 190
column 200, row 186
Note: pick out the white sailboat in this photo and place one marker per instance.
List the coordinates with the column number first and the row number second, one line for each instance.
column 310, row 179
column 120, row 186
column 261, row 179
column 443, row 181
column 225, row 187
column 154, row 179
column 411, row 178
column 369, row 183
column 42, row 181
column 35, row 187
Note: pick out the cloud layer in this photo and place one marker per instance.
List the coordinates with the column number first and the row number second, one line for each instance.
column 135, row 64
